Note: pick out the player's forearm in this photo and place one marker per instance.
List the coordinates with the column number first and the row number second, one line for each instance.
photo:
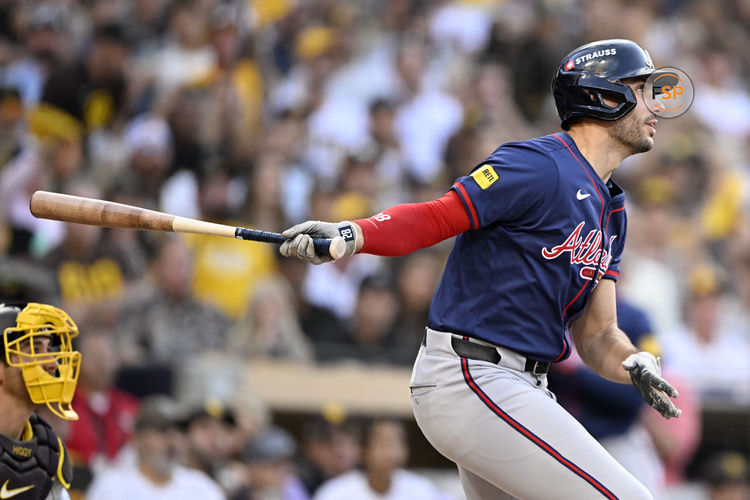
column 605, row 350
column 405, row 228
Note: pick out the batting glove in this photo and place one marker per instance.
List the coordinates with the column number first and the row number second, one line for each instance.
column 645, row 373
column 299, row 242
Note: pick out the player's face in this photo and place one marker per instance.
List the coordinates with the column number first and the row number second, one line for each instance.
column 13, row 376
column 42, row 344
column 636, row 130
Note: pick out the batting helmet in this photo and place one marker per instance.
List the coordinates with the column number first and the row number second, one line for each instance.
column 595, row 70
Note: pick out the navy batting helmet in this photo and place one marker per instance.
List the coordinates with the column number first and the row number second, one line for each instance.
column 594, row 71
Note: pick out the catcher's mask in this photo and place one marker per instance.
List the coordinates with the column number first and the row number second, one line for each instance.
column 37, row 340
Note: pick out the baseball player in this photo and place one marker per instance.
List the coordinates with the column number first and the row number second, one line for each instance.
column 37, row 366
column 540, row 231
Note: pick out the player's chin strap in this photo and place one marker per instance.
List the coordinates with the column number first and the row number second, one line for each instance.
column 645, row 374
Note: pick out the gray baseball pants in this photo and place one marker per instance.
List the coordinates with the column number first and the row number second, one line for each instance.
column 506, row 432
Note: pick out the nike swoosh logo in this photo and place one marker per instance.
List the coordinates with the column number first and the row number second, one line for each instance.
column 6, row 493
column 582, row 196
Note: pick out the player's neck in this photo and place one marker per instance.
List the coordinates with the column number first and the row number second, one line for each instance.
column 13, row 417
column 599, row 148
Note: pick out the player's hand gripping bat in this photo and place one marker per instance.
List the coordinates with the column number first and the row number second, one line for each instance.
column 103, row 213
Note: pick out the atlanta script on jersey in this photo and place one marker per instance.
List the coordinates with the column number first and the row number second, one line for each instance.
column 545, row 229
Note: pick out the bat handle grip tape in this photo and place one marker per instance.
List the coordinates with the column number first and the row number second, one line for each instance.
column 322, row 245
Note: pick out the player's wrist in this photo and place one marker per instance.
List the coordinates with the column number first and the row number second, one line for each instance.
column 359, row 240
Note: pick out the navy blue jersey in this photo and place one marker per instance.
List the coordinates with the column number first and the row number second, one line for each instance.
column 544, row 229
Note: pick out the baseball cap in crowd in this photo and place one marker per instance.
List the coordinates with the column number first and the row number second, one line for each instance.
column 147, row 134
column 49, row 122
column 313, row 42
column 271, row 444
column 47, row 15
column 704, row 280
column 156, row 412
column 211, row 408
column 726, row 467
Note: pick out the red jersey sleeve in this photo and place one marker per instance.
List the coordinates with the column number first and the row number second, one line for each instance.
column 405, row 228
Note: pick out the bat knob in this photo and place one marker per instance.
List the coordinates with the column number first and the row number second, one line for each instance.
column 337, row 248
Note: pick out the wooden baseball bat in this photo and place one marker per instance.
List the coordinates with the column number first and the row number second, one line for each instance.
column 67, row 208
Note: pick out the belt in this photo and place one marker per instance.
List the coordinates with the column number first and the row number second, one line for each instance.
column 472, row 350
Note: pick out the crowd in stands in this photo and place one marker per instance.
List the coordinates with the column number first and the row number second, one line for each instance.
column 266, row 113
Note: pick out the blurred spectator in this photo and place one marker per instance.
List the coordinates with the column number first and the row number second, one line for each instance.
column 330, row 447
column 42, row 31
column 146, row 22
column 417, row 278
column 154, row 473
column 45, row 159
column 373, row 335
column 166, row 325
column 317, row 322
column 271, row 328
column 727, row 475
column 721, row 86
column 384, row 454
column 226, row 271
column 713, row 360
column 427, row 116
column 384, row 150
column 269, row 467
column 461, row 26
column 208, row 431
column 184, row 110
column 11, row 124
column 335, row 287
column 106, row 413
column 736, row 307
column 93, row 275
column 147, row 144
column 186, row 55
column 92, row 90
column 235, row 83
column 651, row 281
column 263, row 204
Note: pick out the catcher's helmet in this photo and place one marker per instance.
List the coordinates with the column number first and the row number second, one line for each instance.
column 19, row 332
column 595, row 70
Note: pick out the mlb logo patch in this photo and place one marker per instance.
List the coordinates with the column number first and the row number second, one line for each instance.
column 569, row 65
column 485, row 176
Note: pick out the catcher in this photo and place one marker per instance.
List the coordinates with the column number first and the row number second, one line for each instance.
column 37, row 366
